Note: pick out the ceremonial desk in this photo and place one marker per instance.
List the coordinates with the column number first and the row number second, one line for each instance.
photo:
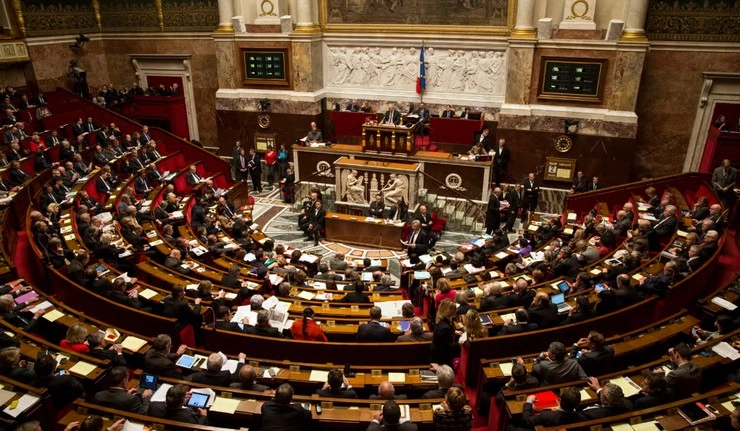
column 356, row 230
column 444, row 175
column 454, row 130
column 394, row 139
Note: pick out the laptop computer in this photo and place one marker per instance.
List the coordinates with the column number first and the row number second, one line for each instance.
column 559, row 301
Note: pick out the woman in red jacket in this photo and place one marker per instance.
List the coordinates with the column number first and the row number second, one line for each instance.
column 307, row 328
column 76, row 339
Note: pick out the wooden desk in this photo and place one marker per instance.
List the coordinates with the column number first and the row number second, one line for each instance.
column 394, row 139
column 355, row 230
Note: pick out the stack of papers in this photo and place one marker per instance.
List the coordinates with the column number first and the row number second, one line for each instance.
column 391, row 309
column 318, row 376
column 133, row 344
column 627, row 385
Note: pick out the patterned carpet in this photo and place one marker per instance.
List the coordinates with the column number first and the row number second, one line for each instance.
column 280, row 222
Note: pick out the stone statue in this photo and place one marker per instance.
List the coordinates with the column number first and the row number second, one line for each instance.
column 355, row 188
column 397, row 188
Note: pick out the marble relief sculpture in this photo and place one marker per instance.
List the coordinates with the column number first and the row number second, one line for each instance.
column 448, row 70
column 396, row 188
column 354, row 187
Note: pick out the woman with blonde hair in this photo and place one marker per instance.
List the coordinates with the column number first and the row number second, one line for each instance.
column 473, row 326
column 444, row 346
column 445, row 291
column 454, row 414
column 76, row 338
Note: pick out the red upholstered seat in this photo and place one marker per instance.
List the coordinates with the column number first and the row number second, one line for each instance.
column 438, row 224
column 187, row 336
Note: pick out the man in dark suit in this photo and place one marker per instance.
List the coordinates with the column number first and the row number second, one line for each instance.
column 353, row 106
column 392, row 116
column 553, row 367
column 117, row 396
column 723, row 180
column 377, row 207
column 16, row 152
column 513, row 198
column 316, row 221
column 90, row 126
column 263, row 328
column 254, row 166
column 159, row 361
column 213, row 375
column 418, row 243
column 358, row 296
column 231, row 279
column 542, row 312
column 141, row 186
column 374, row 331
column 611, row 401
column 63, row 390
column 422, row 127
column 565, row 264
column 173, row 407
column 145, row 136
column 102, row 184
column 95, row 342
column 448, row 112
column 494, row 298
column 664, row 228
column 399, row 211
column 280, row 415
column 500, row 160
column 580, row 183
column 654, row 392
column 685, row 378
column 493, row 212
column 17, row 174
column 422, row 215
column 336, row 386
column 596, row 357
column 198, row 213
column 390, row 419
column 483, row 138
column 594, row 184
column 153, row 175
column 78, row 128
column 247, row 375
column 521, row 324
column 566, row 413
column 709, row 246
column 531, row 195
column 658, row 284
column 192, row 177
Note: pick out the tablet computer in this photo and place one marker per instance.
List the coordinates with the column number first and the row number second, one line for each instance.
column 198, row 400
column 148, row 381
column 185, row 361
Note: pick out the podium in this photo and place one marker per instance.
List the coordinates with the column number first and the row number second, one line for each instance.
column 381, row 138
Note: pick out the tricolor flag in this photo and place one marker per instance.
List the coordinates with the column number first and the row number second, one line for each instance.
column 421, row 81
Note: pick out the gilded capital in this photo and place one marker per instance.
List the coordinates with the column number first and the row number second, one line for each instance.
column 98, row 18
column 19, row 17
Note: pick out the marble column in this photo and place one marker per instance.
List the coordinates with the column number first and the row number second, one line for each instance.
column 304, row 17
column 225, row 12
column 524, row 27
column 634, row 26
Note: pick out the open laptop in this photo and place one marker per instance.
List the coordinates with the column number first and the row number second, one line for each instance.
column 559, row 301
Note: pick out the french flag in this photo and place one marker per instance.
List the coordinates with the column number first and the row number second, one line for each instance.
column 421, row 80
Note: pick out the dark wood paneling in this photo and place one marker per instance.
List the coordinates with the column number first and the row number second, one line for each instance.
column 233, row 125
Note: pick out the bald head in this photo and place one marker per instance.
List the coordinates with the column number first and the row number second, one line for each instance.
column 386, row 391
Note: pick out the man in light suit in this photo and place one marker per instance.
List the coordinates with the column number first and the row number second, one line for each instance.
column 392, row 116
column 118, row 397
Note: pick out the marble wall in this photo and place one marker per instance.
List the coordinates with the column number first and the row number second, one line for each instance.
column 50, row 62
column 667, row 104
column 203, row 71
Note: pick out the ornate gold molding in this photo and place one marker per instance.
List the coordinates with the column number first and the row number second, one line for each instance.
column 307, row 29
column 225, row 29
column 160, row 13
column 19, row 17
column 506, row 30
column 98, row 17
column 523, row 33
column 634, row 36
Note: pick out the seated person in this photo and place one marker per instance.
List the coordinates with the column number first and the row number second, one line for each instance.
column 247, row 377
column 552, row 367
column 377, row 207
column 445, row 380
column 263, row 327
column 306, row 328
column 685, row 379
column 173, row 408
column 160, row 361
column 374, row 331
column 521, row 324
column 358, row 296
column 386, row 391
column 314, row 135
column 213, row 375
column 280, row 415
column 520, row 380
column 415, row 332
column 611, row 401
column 596, row 358
column 570, row 398
column 96, row 341
column 455, row 413
column 119, row 397
column 12, row 367
column 336, row 386
column 76, row 338
column 390, row 419
column 62, row 389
